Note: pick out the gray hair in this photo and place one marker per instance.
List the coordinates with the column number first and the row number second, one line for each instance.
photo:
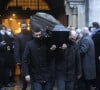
column 85, row 30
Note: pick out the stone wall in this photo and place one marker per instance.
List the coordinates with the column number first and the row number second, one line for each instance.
column 94, row 11
column 76, row 11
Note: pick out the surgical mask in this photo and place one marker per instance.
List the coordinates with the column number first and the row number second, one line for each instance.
column 9, row 33
column 2, row 32
column 80, row 35
column 92, row 29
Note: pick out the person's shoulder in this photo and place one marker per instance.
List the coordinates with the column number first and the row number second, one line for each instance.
column 18, row 35
column 30, row 42
column 98, row 32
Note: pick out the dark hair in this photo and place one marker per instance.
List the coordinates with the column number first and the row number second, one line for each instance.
column 1, row 26
column 96, row 24
column 23, row 22
column 90, row 28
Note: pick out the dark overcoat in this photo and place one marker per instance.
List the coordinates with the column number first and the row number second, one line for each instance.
column 35, row 61
column 87, row 51
column 20, row 41
column 96, row 39
column 73, row 62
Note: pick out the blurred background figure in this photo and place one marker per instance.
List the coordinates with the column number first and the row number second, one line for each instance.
column 96, row 39
column 87, row 51
column 3, row 57
column 10, row 58
column 19, row 46
column 95, row 28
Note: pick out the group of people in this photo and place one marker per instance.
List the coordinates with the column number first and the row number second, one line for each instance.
column 7, row 63
column 72, row 66
column 69, row 66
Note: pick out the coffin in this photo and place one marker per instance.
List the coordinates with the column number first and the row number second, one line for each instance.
column 51, row 28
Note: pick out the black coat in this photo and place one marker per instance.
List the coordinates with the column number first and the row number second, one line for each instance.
column 87, row 51
column 3, row 48
column 10, row 50
column 96, row 39
column 35, row 61
column 20, row 41
column 6, row 53
column 4, row 60
column 73, row 62
column 59, row 64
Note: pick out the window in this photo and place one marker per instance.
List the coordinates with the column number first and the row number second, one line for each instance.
column 32, row 4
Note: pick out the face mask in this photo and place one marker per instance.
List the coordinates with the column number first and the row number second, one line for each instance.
column 80, row 35
column 92, row 29
column 2, row 32
column 8, row 33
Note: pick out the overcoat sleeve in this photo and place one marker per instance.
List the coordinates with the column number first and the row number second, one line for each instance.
column 25, row 61
column 17, row 50
column 84, row 46
column 78, row 62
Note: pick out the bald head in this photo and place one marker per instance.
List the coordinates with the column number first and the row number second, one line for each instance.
column 73, row 35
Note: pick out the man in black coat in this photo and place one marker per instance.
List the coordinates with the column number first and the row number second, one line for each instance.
column 20, row 41
column 73, row 62
column 36, row 64
column 10, row 57
column 96, row 39
column 3, row 57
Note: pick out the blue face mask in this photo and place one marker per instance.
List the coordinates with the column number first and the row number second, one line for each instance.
column 2, row 32
column 9, row 33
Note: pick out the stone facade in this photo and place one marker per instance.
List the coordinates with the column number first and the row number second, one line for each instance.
column 82, row 12
column 94, row 11
column 76, row 11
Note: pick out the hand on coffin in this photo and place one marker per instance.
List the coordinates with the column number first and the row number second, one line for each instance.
column 64, row 46
column 53, row 47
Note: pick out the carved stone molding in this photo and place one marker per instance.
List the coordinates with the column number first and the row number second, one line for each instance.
column 74, row 3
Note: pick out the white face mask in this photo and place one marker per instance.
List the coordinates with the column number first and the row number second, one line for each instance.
column 8, row 33
column 92, row 29
column 2, row 32
column 80, row 35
